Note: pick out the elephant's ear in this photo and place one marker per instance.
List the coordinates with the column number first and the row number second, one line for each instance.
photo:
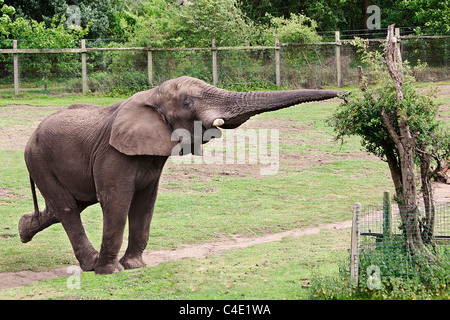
column 139, row 130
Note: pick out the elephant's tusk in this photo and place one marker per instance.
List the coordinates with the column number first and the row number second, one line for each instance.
column 218, row 122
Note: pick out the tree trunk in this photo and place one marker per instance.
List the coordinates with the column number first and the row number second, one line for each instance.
column 405, row 142
column 427, row 222
column 396, row 172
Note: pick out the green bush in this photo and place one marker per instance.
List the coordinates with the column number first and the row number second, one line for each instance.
column 118, row 83
column 387, row 271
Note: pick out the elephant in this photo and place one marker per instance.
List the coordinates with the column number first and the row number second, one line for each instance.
column 85, row 154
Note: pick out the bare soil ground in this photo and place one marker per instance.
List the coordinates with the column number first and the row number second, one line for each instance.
column 15, row 137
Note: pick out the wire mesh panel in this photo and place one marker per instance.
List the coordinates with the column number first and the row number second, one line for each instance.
column 117, row 71
column 435, row 52
column 120, row 71
column 309, row 66
column 168, row 64
column 47, row 72
column 246, row 66
column 383, row 247
column 116, row 66
column 6, row 69
column 373, row 221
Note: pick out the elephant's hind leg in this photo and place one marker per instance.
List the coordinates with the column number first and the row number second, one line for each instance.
column 32, row 223
column 82, row 247
column 62, row 206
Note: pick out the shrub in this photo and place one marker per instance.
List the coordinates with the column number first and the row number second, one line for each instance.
column 388, row 271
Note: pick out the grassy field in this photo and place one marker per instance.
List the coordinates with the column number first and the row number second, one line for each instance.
column 318, row 182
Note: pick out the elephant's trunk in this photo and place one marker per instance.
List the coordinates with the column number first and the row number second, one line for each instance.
column 247, row 104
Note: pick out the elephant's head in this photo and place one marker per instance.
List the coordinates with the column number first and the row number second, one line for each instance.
column 145, row 123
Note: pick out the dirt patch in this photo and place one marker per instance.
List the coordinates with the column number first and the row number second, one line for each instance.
column 8, row 194
column 21, row 121
column 441, row 192
column 178, row 175
column 443, row 90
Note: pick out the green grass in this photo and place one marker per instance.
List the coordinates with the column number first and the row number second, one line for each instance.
column 59, row 100
column 272, row 271
column 206, row 206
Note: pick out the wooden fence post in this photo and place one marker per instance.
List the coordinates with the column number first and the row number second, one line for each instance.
column 83, row 67
column 277, row 62
column 214, row 62
column 16, row 69
column 387, row 214
column 354, row 254
column 150, row 66
column 338, row 57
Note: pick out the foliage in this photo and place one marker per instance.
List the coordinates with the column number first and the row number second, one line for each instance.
column 350, row 14
column 101, row 15
column 360, row 114
column 117, row 18
column 433, row 15
column 394, row 121
column 170, row 23
column 388, row 272
column 195, row 24
column 330, row 15
column 189, row 25
column 36, row 35
column 298, row 28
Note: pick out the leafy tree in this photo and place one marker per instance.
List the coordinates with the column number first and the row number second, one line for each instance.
column 394, row 120
column 6, row 17
column 434, row 15
column 328, row 14
column 191, row 24
column 351, row 14
column 102, row 16
column 36, row 35
column 221, row 19
column 297, row 28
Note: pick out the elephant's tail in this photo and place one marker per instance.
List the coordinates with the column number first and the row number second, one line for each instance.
column 33, row 191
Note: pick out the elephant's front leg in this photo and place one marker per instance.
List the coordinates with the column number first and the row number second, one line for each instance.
column 115, row 208
column 140, row 216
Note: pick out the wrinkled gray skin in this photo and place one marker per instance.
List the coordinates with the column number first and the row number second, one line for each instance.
column 87, row 154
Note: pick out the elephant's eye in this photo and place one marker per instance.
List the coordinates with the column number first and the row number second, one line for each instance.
column 188, row 103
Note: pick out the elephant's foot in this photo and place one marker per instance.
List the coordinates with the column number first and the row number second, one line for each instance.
column 132, row 262
column 31, row 223
column 108, row 268
column 87, row 262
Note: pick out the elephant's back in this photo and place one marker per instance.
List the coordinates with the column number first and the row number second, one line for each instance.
column 78, row 120
column 72, row 131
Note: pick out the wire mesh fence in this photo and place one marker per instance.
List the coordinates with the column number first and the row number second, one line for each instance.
column 114, row 65
column 380, row 248
column 373, row 223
